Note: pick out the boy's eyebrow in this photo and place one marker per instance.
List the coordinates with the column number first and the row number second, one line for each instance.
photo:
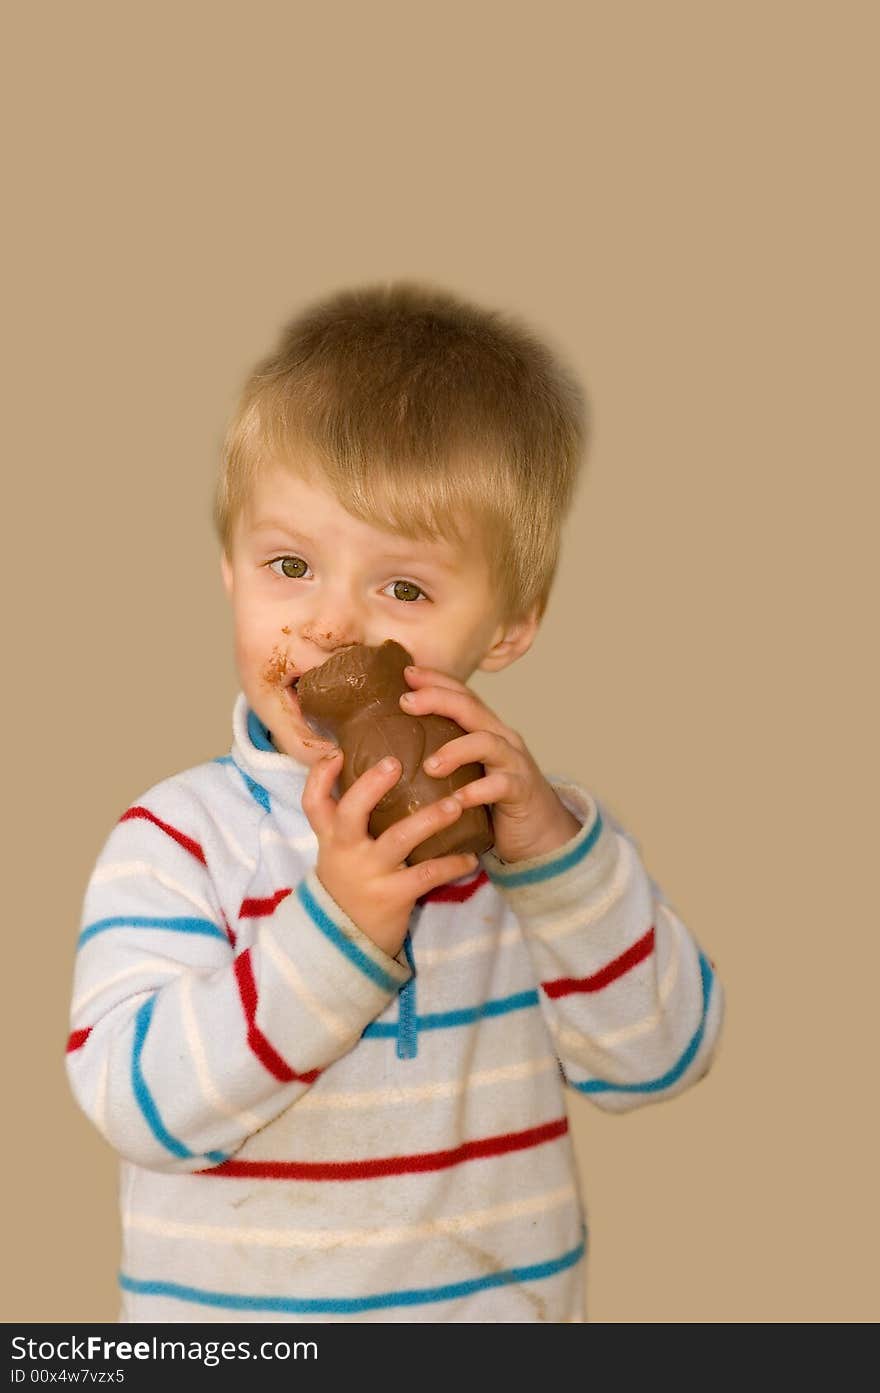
column 277, row 525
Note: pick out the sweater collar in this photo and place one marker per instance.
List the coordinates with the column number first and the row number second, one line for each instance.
column 268, row 773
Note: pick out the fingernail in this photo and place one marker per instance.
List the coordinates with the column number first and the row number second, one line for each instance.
column 408, row 697
column 389, row 763
column 449, row 805
column 432, row 763
column 331, row 754
column 411, row 668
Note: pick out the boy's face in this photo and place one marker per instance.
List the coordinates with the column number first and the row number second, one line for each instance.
column 305, row 578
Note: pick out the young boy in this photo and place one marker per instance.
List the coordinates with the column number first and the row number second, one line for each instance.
column 335, row 1080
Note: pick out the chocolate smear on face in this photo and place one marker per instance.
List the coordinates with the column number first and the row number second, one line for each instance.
column 278, row 670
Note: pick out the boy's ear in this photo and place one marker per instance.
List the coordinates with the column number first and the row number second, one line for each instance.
column 511, row 641
column 226, row 572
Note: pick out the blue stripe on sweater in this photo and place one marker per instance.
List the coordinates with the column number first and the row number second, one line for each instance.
column 350, row 1305
column 340, row 940
column 673, row 1074
column 508, row 879
column 466, row 1015
column 177, row 924
column 143, row 1095
column 254, row 789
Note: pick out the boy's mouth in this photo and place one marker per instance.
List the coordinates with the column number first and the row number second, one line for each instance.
column 321, row 737
column 289, row 696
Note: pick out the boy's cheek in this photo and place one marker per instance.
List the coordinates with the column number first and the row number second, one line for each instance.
column 246, row 651
column 256, row 664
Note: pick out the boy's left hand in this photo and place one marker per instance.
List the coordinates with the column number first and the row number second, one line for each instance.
column 527, row 815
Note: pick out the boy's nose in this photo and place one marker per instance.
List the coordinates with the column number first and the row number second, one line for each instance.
column 331, row 631
column 335, row 621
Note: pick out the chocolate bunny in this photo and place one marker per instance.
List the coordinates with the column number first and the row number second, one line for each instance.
column 355, row 697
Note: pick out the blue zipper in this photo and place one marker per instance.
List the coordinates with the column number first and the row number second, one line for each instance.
column 407, row 1025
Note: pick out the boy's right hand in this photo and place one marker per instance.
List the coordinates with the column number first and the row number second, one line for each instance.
column 365, row 875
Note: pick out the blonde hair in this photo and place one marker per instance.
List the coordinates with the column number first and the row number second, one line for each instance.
column 427, row 416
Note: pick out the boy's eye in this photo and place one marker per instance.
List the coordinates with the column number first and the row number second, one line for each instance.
column 407, row 590
column 289, row 566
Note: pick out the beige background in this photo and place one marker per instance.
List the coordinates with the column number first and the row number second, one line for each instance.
column 680, row 196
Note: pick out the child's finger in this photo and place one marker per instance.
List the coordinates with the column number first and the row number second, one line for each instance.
column 459, row 704
column 354, row 807
column 427, row 875
column 432, row 677
column 498, row 787
column 317, row 802
column 480, row 747
column 398, row 841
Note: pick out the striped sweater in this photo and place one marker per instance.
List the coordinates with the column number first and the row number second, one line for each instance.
column 312, row 1130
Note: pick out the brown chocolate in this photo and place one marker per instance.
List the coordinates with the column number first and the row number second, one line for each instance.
column 355, row 697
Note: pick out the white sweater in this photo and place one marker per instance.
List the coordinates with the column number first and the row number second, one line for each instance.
column 310, row 1130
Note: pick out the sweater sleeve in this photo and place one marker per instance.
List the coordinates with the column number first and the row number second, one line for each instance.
column 633, row 1005
column 180, row 1048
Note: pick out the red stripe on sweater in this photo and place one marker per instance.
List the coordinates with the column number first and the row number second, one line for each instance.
column 393, row 1165
column 566, row 986
column 188, row 843
column 267, row 1056
column 78, row 1038
column 253, row 909
column 452, row 893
